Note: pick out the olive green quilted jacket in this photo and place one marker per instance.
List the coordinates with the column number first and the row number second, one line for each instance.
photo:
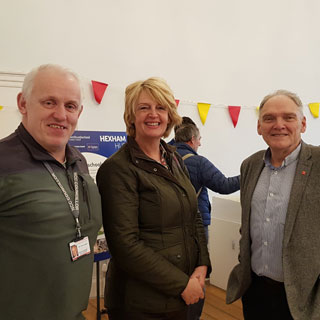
column 153, row 229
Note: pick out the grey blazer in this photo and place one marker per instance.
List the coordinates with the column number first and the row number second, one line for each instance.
column 301, row 240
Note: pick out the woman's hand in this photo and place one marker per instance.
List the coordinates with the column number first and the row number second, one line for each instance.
column 200, row 274
column 192, row 292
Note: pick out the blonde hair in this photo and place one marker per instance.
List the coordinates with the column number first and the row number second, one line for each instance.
column 159, row 90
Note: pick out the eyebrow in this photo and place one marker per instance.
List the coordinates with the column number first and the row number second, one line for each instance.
column 74, row 101
column 282, row 114
column 48, row 98
column 55, row 98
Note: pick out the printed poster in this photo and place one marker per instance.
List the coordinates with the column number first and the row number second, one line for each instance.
column 97, row 146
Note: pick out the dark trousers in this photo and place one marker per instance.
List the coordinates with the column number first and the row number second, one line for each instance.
column 265, row 300
column 195, row 310
column 119, row 314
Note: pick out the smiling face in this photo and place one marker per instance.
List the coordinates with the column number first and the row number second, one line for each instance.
column 281, row 124
column 50, row 113
column 151, row 119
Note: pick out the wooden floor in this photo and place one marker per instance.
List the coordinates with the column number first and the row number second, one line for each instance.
column 215, row 307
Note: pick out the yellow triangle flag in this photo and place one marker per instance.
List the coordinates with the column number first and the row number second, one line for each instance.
column 1, row 107
column 314, row 109
column 203, row 109
column 257, row 110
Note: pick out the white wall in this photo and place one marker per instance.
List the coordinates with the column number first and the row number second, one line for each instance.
column 224, row 239
column 222, row 52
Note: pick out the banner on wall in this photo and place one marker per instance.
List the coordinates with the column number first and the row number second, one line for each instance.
column 97, row 146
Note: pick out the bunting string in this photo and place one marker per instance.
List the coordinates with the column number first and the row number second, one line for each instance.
column 9, row 79
column 222, row 106
column 234, row 111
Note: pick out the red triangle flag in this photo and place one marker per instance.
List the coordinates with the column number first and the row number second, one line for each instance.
column 234, row 114
column 177, row 102
column 98, row 89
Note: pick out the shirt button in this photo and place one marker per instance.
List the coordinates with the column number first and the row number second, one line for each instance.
column 266, row 267
column 137, row 161
column 265, row 243
column 275, row 172
column 267, row 219
column 271, row 194
column 155, row 169
column 178, row 256
column 184, row 195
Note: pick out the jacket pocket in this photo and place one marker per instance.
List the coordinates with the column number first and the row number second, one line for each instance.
column 176, row 255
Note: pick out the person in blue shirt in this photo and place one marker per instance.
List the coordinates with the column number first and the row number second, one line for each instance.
column 185, row 120
column 203, row 173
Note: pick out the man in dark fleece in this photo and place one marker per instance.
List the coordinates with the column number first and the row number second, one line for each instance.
column 48, row 204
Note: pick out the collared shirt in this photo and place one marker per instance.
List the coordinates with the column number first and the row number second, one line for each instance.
column 268, row 215
column 163, row 155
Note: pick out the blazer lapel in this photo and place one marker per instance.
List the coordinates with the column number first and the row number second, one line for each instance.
column 297, row 191
column 254, row 174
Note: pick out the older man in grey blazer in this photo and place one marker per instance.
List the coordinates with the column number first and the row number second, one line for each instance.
column 278, row 273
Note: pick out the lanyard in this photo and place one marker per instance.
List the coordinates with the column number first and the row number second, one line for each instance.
column 74, row 208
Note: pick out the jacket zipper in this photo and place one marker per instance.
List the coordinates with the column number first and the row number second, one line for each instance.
column 184, row 230
column 86, row 196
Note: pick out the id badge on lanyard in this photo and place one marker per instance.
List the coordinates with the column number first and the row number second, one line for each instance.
column 79, row 246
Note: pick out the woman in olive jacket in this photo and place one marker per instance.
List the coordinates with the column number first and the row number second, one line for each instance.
column 154, row 231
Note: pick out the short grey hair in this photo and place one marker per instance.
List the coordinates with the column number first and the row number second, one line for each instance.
column 291, row 95
column 185, row 133
column 28, row 82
